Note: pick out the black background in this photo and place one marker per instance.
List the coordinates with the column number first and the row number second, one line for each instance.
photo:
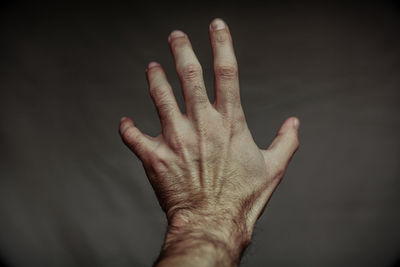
column 71, row 194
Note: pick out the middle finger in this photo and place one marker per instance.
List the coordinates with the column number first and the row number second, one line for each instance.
column 190, row 74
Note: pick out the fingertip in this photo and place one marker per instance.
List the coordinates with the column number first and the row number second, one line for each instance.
column 295, row 122
column 217, row 24
column 122, row 119
column 126, row 119
column 153, row 64
column 291, row 122
column 175, row 34
column 286, row 142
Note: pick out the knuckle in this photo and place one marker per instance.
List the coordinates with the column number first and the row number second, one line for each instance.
column 190, row 72
column 165, row 107
column 159, row 164
column 137, row 147
column 221, row 36
column 177, row 143
column 159, row 92
column 227, row 72
column 162, row 98
column 159, row 159
column 179, row 42
column 129, row 134
column 123, row 128
column 134, row 142
column 181, row 144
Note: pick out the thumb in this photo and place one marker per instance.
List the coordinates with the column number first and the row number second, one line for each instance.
column 286, row 141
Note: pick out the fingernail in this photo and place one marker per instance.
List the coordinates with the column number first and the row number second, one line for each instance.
column 296, row 123
column 218, row 24
column 175, row 34
column 152, row 64
column 122, row 119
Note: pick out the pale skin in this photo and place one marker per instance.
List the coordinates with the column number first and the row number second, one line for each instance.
column 211, row 179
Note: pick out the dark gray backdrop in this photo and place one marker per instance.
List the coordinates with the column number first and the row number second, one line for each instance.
column 71, row 194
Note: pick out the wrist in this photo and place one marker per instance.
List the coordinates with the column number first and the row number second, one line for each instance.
column 220, row 239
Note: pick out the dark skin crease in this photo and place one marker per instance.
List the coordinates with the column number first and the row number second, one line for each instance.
column 211, row 179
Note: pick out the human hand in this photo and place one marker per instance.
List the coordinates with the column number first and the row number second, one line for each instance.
column 210, row 178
